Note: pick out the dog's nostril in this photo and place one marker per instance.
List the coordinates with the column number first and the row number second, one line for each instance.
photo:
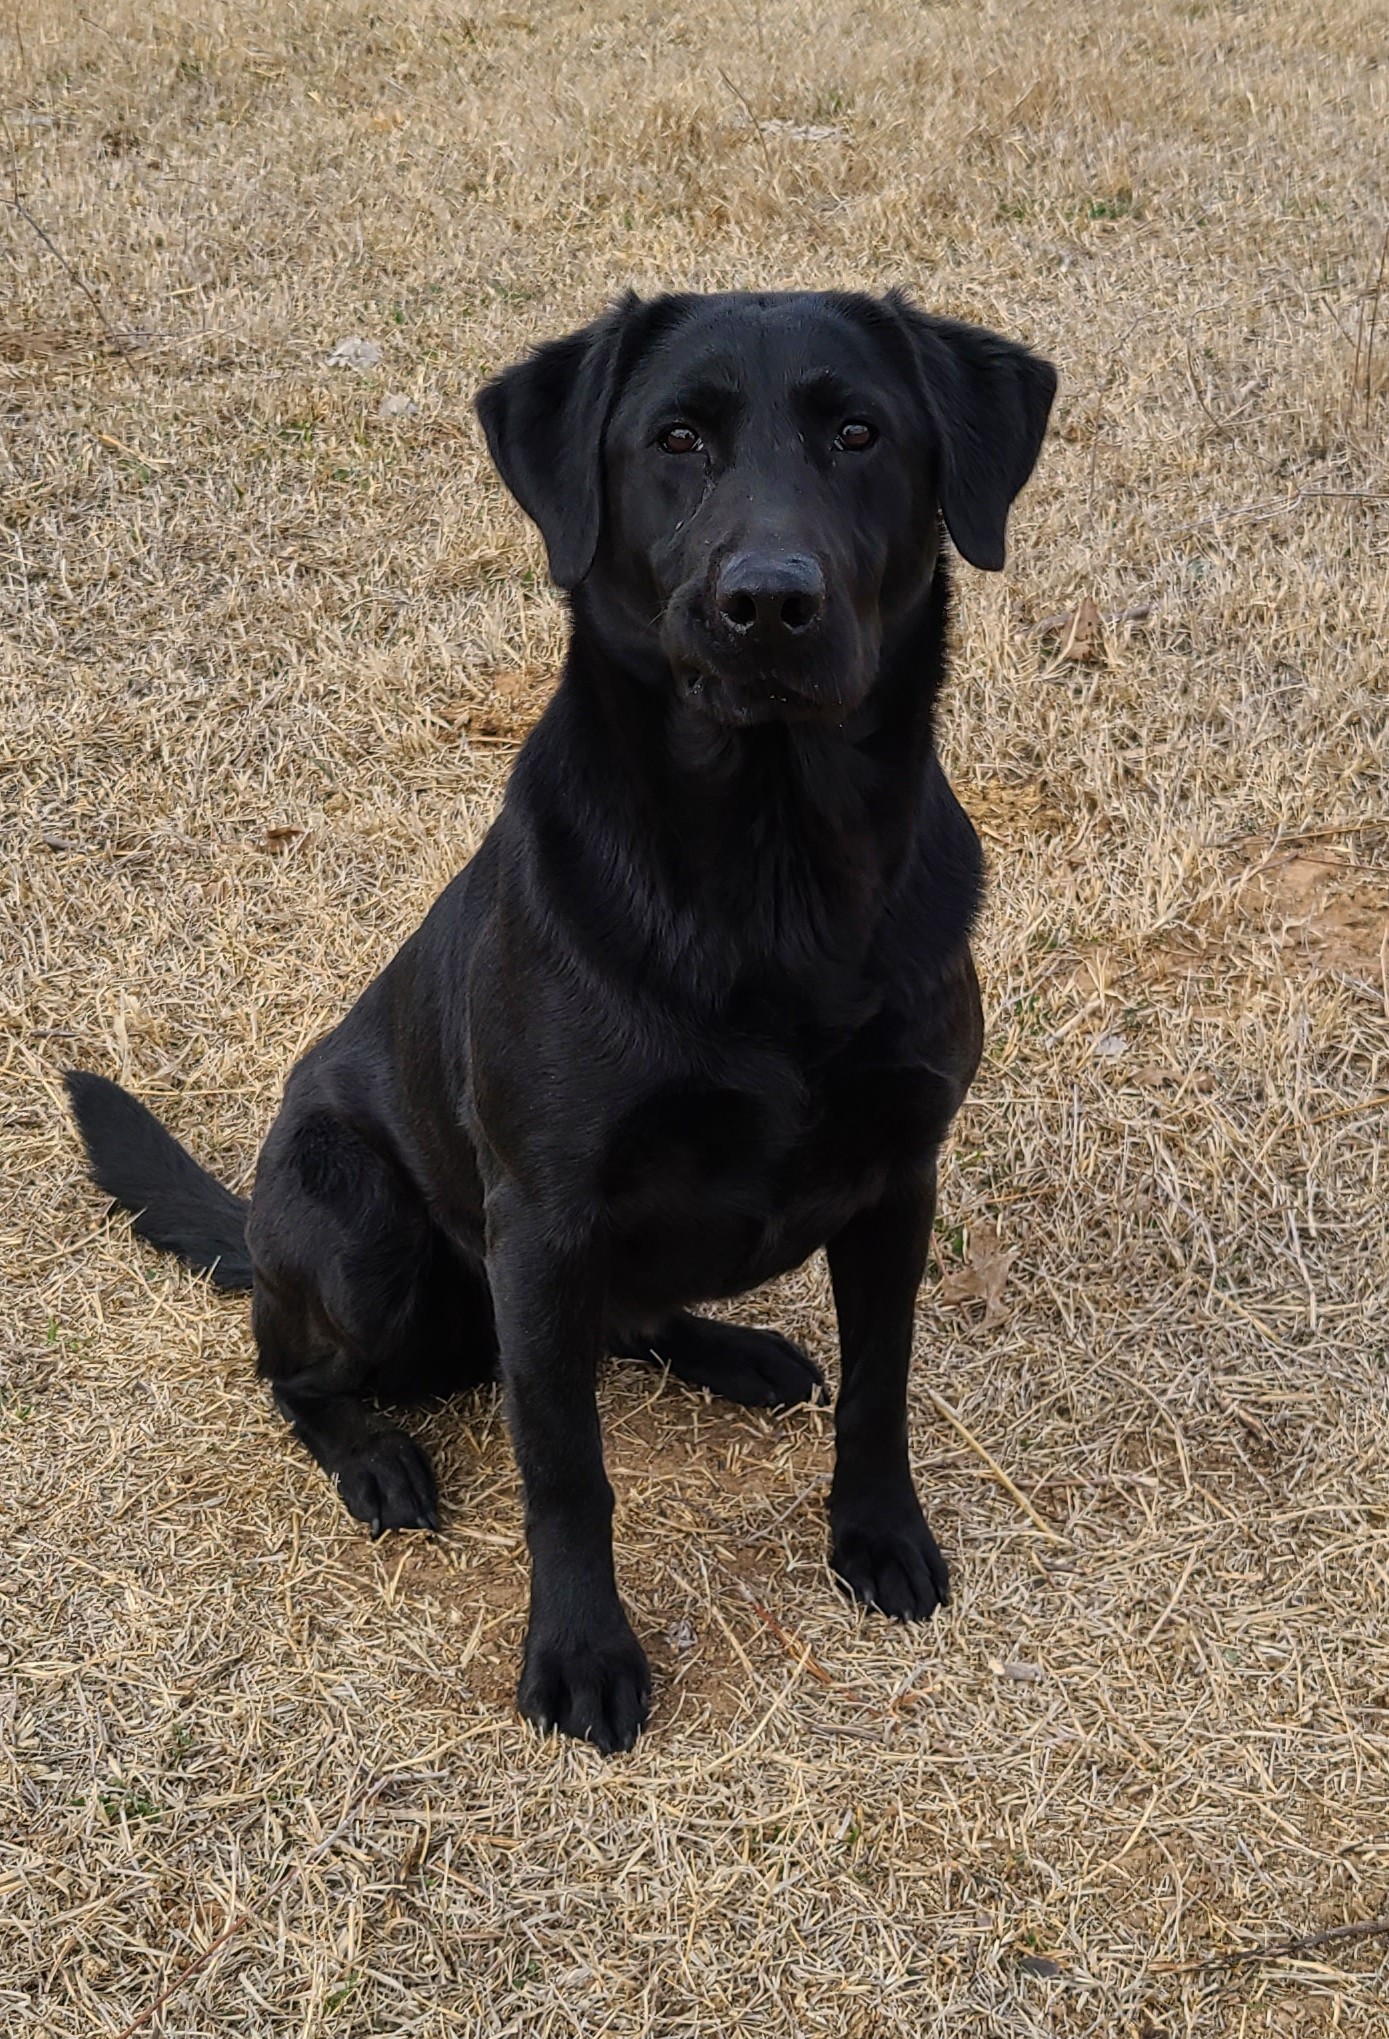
column 799, row 611
column 740, row 610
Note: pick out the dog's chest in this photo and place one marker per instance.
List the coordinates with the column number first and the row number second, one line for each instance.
column 711, row 1188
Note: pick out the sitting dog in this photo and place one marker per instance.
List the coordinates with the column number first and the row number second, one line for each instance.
column 703, row 1001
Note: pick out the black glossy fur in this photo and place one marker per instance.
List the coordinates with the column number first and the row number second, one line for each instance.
column 703, row 1001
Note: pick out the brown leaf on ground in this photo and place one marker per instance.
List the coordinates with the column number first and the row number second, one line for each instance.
column 516, row 682
column 983, row 1275
column 1005, row 810
column 1094, row 975
column 1053, row 626
column 1082, row 634
column 120, row 140
column 519, row 694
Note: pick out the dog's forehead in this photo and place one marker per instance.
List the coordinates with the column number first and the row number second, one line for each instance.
column 765, row 346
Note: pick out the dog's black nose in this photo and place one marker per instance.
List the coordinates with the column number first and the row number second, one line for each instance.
column 770, row 594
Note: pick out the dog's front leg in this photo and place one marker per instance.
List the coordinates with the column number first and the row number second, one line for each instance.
column 880, row 1543
column 584, row 1671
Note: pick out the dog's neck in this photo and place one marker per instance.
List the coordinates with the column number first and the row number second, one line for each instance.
column 765, row 855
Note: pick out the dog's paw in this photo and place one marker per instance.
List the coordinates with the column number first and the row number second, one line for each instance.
column 893, row 1565
column 760, row 1369
column 388, row 1483
column 596, row 1689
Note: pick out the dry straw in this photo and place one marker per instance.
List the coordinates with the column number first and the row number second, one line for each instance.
column 266, row 644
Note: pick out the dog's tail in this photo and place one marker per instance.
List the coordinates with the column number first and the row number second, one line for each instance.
column 176, row 1204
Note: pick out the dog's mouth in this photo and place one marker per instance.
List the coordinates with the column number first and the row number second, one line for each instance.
column 744, row 702
column 728, row 677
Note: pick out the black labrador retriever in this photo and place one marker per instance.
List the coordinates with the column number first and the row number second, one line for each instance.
column 703, row 1001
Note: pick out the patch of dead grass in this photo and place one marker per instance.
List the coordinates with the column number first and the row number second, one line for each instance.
column 266, row 654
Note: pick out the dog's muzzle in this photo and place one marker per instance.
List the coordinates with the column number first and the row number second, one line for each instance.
column 759, row 637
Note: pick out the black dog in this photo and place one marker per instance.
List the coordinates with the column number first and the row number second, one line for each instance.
column 703, row 1001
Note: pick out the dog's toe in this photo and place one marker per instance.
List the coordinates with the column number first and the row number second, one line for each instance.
column 894, row 1566
column 782, row 1373
column 597, row 1691
column 388, row 1483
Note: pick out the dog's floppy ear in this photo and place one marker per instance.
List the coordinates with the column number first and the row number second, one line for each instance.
column 990, row 399
column 544, row 421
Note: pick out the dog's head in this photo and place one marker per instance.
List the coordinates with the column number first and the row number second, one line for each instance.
column 753, row 486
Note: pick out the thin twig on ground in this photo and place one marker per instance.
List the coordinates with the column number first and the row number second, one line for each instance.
column 16, row 202
column 756, row 125
column 951, row 1416
column 1274, row 1950
column 1375, row 297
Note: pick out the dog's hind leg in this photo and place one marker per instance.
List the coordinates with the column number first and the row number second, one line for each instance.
column 323, row 1369
column 382, row 1475
column 760, row 1369
column 359, row 1299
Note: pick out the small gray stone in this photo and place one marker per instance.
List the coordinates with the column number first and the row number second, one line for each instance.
column 355, row 353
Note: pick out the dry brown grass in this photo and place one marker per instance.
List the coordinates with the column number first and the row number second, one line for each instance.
column 264, row 651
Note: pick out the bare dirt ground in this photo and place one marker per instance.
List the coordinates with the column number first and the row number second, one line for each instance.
column 270, row 632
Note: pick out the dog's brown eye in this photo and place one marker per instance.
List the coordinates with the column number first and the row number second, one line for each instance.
column 680, row 439
column 855, row 437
